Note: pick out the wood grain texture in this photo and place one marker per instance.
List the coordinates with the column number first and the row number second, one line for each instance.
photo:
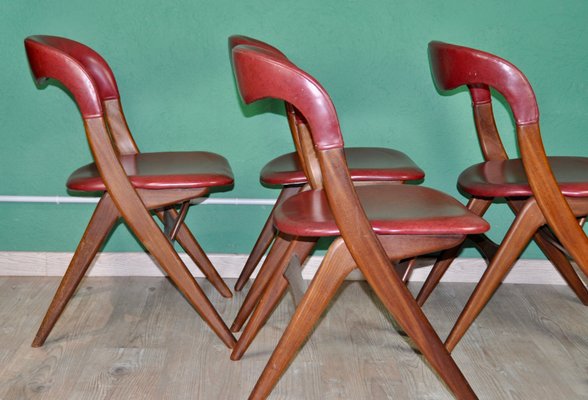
column 136, row 338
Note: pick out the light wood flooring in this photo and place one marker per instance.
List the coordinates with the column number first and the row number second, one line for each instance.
column 136, row 338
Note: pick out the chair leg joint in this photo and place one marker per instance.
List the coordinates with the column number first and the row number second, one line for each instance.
column 171, row 224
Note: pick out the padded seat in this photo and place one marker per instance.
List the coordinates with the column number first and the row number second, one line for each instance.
column 164, row 170
column 507, row 178
column 365, row 163
column 391, row 209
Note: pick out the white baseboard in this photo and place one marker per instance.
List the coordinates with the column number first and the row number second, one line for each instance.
column 229, row 266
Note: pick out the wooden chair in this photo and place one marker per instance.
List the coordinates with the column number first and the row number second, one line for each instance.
column 366, row 164
column 132, row 184
column 549, row 195
column 373, row 224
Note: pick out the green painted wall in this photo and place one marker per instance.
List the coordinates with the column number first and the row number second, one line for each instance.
column 172, row 65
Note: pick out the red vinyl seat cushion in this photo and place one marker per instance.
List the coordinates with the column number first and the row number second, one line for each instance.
column 365, row 164
column 391, row 209
column 507, row 178
column 165, row 170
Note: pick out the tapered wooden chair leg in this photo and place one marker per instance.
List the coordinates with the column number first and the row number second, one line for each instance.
column 439, row 268
column 565, row 268
column 186, row 283
column 335, row 267
column 270, row 297
column 265, row 239
column 402, row 306
column 101, row 223
column 193, row 249
column 516, row 239
column 284, row 248
column 558, row 258
column 267, row 270
column 475, row 205
column 575, row 251
column 143, row 226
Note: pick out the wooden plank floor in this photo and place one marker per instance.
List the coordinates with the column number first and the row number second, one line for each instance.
column 136, row 338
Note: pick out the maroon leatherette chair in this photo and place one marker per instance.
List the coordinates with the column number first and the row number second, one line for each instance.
column 549, row 195
column 131, row 184
column 372, row 225
column 367, row 164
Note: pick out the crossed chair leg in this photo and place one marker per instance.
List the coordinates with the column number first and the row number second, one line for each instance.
column 265, row 239
column 556, row 256
column 101, row 223
column 396, row 298
column 529, row 219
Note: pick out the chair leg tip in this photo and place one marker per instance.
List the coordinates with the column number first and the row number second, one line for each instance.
column 235, row 355
column 230, row 342
column 449, row 346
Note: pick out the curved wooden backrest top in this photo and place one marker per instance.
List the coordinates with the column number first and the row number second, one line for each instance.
column 284, row 80
column 238, row 40
column 454, row 66
column 47, row 61
column 296, row 121
column 87, row 76
column 93, row 63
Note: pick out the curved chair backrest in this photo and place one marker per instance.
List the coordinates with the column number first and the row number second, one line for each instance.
column 453, row 66
column 261, row 74
column 103, row 78
column 296, row 122
column 287, row 82
column 93, row 63
column 238, row 40
column 56, row 62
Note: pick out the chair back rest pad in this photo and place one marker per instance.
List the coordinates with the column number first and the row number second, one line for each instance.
column 62, row 56
column 283, row 80
column 238, row 40
column 48, row 62
column 453, row 66
column 93, row 63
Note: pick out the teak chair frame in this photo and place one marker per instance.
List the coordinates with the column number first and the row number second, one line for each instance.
column 261, row 74
column 91, row 82
column 279, row 256
column 549, row 218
